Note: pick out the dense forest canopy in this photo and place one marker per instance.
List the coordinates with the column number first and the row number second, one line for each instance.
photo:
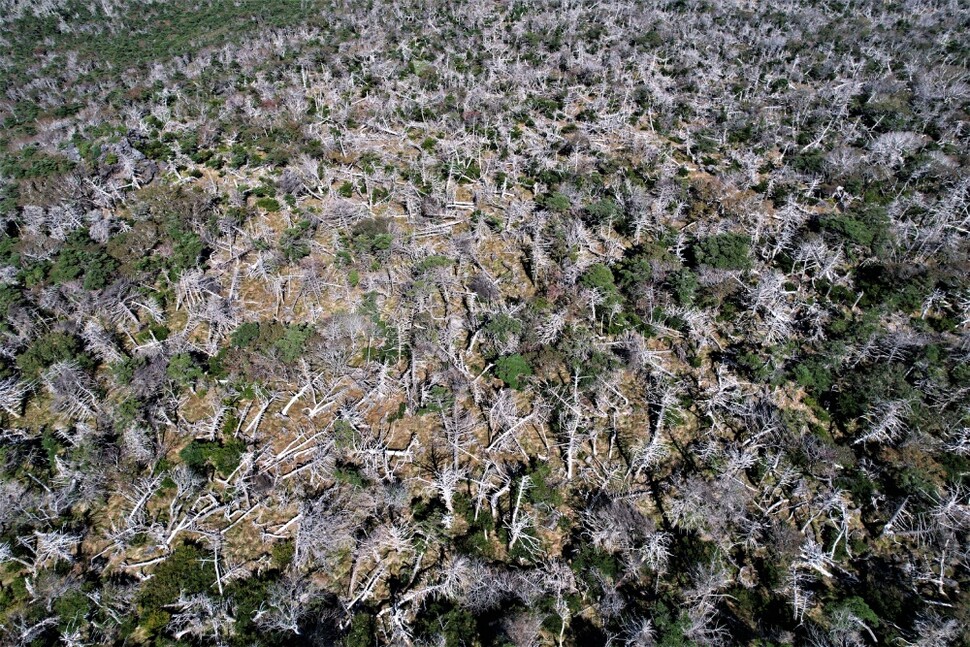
column 451, row 323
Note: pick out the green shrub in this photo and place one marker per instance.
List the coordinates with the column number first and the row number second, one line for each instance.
column 81, row 256
column 124, row 370
column 286, row 342
column 183, row 369
column 99, row 272
column 452, row 625
column 599, row 277
column 351, row 475
column 547, row 106
column 294, row 243
column 52, row 348
column 589, row 560
column 632, row 272
column 245, row 334
column 582, row 357
column 684, row 285
column 544, row 489
column 224, row 457
column 362, row 631
column 8, row 250
column 439, row 399
column 602, row 212
column 815, row 374
column 346, row 190
column 187, row 253
column 292, row 345
column 671, row 626
column 282, row 553
column 867, row 227
column 812, row 162
column 268, row 204
column 186, row 570
column 557, row 202
column 511, row 369
column 68, row 265
column 723, row 251
column 72, row 609
column 501, row 326
column 29, row 163
column 371, row 235
column 900, row 287
column 865, row 386
column 432, row 262
column 857, row 607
